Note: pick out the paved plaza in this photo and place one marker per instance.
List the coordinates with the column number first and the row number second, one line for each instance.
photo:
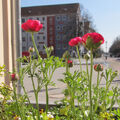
column 55, row 92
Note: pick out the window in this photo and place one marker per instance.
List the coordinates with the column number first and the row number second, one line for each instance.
column 43, row 37
column 43, row 18
column 64, row 46
column 58, row 46
column 30, row 18
column 64, row 37
column 50, row 32
column 38, row 38
column 51, row 42
column 23, row 39
column 43, row 28
column 23, row 20
column 58, row 27
column 38, row 47
column 43, row 47
column 63, row 27
column 51, row 38
column 58, row 37
column 58, row 17
column 50, row 20
column 37, row 18
column 64, row 18
column 30, row 38
column 50, row 28
column 23, row 48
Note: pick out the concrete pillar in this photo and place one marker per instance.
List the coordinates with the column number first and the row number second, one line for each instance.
column 9, row 36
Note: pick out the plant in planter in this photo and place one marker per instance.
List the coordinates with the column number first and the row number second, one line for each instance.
column 93, row 101
column 42, row 69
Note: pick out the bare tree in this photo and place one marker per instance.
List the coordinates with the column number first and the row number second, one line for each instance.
column 115, row 47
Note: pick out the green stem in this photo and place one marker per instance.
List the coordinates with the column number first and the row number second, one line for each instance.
column 97, row 95
column 90, row 85
column 47, row 99
column 112, row 100
column 106, row 90
column 36, row 98
column 28, row 101
column 87, row 69
column 26, row 95
column 79, row 58
column 71, row 93
column 67, row 67
column 15, row 95
column 73, row 104
column 34, row 45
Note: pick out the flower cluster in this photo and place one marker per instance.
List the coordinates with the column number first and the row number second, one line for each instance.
column 89, row 40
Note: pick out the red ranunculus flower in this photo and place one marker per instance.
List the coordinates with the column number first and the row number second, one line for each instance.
column 70, row 63
column 92, row 40
column 98, row 67
column 32, row 26
column 25, row 53
column 75, row 41
column 13, row 77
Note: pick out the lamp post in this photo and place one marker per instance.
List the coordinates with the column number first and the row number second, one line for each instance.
column 106, row 50
column 18, row 42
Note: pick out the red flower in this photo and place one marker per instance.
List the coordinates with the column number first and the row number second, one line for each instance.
column 25, row 53
column 92, row 40
column 13, row 76
column 32, row 26
column 75, row 41
column 70, row 63
column 98, row 67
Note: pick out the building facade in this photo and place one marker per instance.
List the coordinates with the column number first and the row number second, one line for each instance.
column 59, row 26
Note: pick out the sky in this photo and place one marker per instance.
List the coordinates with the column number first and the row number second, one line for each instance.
column 105, row 15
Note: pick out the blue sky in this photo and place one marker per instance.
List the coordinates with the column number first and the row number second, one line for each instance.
column 105, row 14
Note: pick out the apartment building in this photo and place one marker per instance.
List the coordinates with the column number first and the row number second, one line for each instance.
column 59, row 26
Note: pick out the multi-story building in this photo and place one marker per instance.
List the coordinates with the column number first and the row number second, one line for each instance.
column 59, row 26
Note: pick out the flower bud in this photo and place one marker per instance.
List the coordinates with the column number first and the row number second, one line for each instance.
column 51, row 48
column 14, row 77
column 70, row 63
column 31, row 50
column 98, row 67
column 87, row 56
column 66, row 55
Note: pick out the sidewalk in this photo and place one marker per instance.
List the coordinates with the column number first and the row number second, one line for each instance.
column 114, row 64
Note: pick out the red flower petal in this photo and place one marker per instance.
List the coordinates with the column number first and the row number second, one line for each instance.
column 25, row 27
column 75, row 41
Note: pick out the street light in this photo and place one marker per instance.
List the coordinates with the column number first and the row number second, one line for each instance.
column 106, row 50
